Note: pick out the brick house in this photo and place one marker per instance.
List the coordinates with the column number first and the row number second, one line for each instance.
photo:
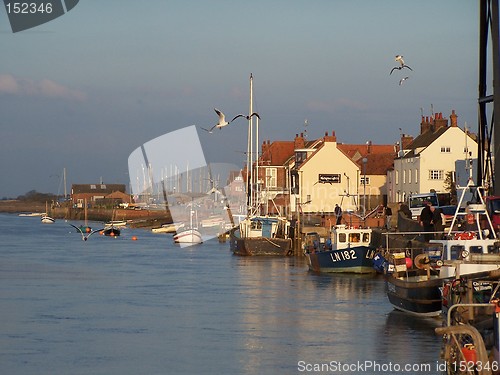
column 95, row 194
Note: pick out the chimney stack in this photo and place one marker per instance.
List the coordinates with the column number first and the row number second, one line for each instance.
column 330, row 138
column 440, row 122
column 299, row 141
column 425, row 125
column 453, row 119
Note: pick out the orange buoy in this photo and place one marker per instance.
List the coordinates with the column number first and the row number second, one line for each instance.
column 134, row 238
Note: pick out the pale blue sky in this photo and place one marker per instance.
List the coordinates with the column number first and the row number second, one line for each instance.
column 86, row 89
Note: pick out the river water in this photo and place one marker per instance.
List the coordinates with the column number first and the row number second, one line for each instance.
column 118, row 306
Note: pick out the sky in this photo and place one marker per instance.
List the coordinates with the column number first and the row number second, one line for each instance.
column 83, row 91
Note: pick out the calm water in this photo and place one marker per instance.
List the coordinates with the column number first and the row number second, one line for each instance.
column 117, row 306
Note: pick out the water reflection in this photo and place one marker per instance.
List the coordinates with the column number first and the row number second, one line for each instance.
column 127, row 307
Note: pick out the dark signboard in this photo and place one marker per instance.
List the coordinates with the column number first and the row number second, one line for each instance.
column 329, row 178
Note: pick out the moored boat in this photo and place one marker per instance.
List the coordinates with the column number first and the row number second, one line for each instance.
column 168, row 228
column 111, row 231
column 115, row 223
column 349, row 251
column 414, row 282
column 46, row 218
column 188, row 236
column 416, row 290
column 261, row 235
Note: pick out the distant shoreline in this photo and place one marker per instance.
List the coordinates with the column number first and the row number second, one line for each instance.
column 136, row 218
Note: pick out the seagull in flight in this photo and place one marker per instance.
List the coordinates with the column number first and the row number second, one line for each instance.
column 399, row 59
column 222, row 121
column 85, row 237
column 246, row 116
column 402, row 80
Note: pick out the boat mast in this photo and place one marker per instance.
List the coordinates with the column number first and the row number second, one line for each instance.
column 64, row 179
column 249, row 152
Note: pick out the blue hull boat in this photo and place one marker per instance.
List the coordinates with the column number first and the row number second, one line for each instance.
column 354, row 260
column 347, row 251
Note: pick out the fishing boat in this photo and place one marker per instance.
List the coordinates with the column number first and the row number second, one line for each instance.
column 348, row 250
column 259, row 235
column 414, row 281
column 46, row 218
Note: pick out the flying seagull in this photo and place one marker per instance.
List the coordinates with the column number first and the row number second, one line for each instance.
column 222, row 121
column 402, row 80
column 246, row 116
column 85, row 237
column 399, row 59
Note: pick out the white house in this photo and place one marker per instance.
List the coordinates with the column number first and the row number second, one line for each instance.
column 429, row 157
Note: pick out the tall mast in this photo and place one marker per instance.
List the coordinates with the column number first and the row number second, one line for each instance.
column 64, row 178
column 250, row 151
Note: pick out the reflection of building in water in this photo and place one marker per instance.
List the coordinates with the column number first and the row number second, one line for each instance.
column 325, row 314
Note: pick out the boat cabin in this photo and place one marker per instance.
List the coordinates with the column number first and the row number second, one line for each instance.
column 269, row 227
column 343, row 237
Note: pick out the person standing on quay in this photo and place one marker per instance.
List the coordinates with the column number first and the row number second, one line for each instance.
column 338, row 214
column 426, row 220
column 388, row 217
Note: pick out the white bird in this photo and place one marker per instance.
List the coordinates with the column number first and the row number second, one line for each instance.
column 220, row 124
column 402, row 80
column 246, row 116
column 85, row 237
column 399, row 59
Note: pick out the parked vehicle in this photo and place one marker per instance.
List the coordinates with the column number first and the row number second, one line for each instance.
column 416, row 202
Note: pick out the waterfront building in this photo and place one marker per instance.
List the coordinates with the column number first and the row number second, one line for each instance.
column 423, row 163
column 98, row 194
column 313, row 176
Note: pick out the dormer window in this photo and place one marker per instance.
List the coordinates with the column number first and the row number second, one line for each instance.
column 300, row 157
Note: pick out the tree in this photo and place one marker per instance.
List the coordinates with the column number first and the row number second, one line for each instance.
column 450, row 186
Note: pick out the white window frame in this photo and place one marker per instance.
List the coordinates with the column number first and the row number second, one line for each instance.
column 436, row 174
column 271, row 177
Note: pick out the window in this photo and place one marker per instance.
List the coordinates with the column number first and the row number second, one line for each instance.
column 300, row 157
column 436, row 174
column 416, row 176
column 409, row 176
column 404, row 176
column 271, row 177
column 397, row 177
column 363, row 179
column 93, row 187
column 445, row 149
